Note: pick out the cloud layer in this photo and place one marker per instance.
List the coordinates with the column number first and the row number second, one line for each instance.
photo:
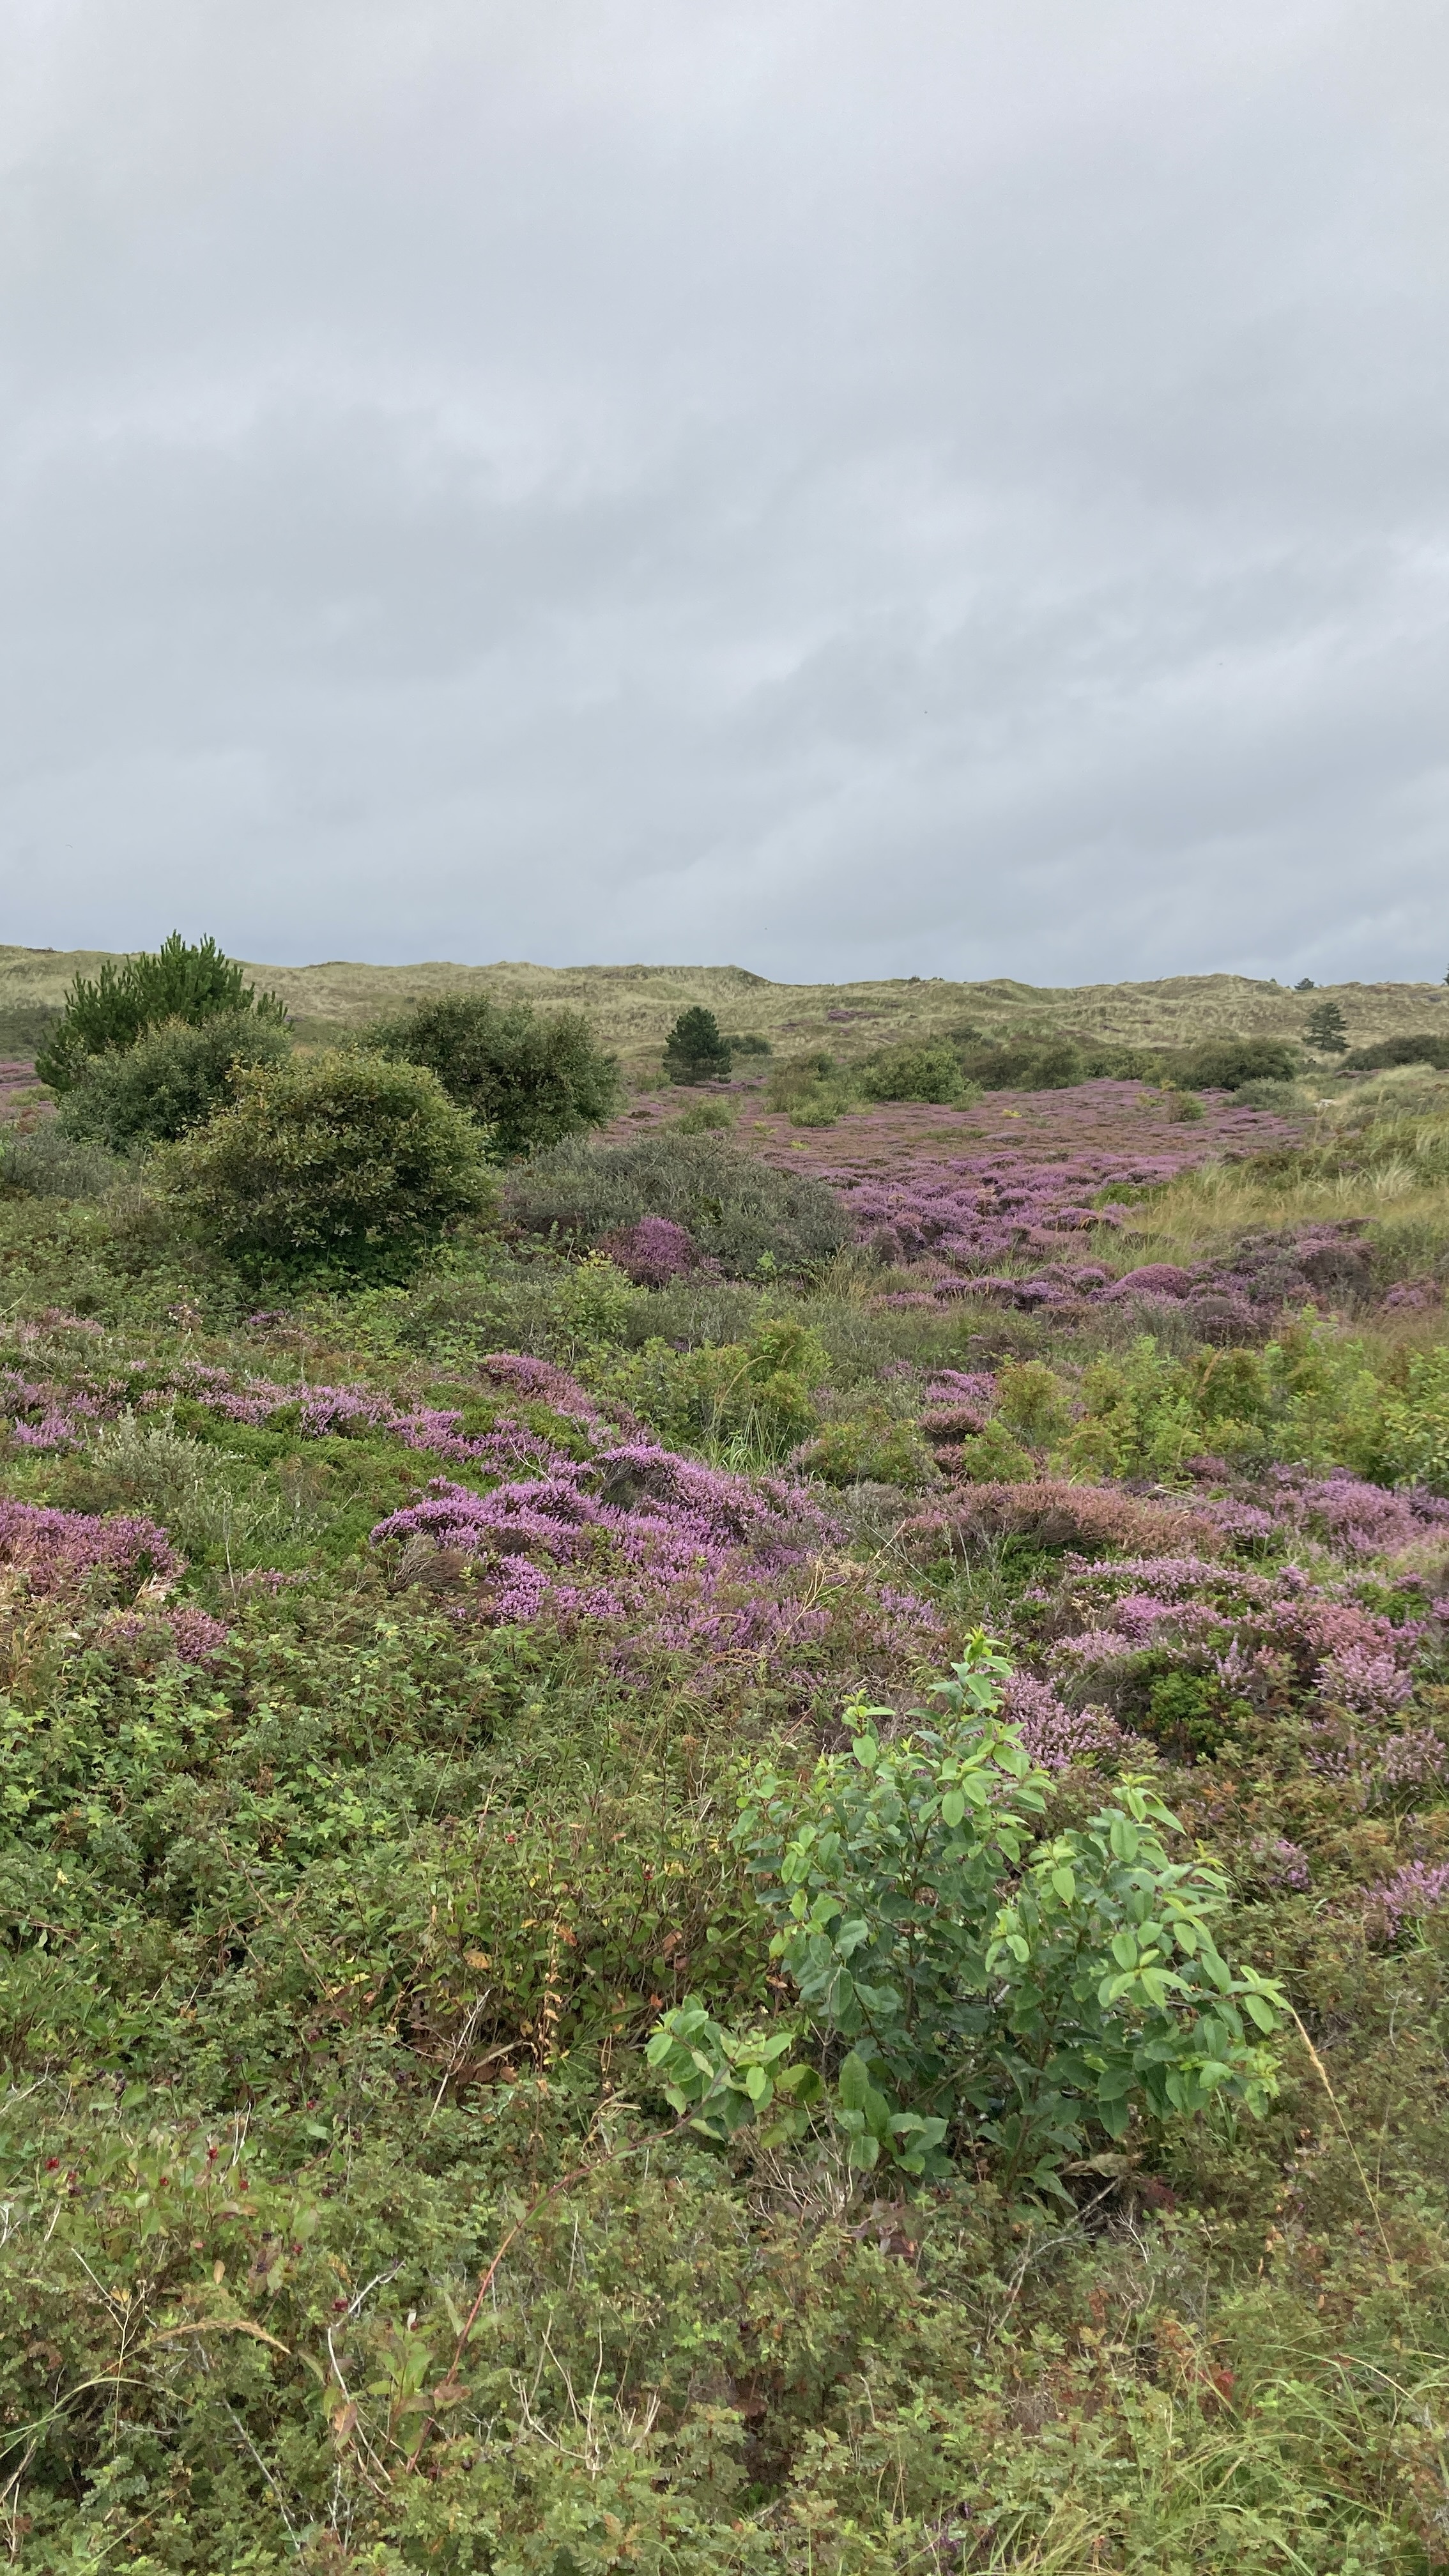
column 945, row 489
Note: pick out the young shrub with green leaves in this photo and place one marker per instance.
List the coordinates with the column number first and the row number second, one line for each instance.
column 961, row 1978
column 694, row 1050
column 172, row 1079
column 348, row 1164
column 931, row 1073
column 180, row 981
column 529, row 1080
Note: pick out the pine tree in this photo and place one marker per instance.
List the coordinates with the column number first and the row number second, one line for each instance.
column 1327, row 1029
column 694, row 1051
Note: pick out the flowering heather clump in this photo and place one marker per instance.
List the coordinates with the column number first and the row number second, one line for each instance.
column 653, row 1252
column 1410, row 1894
column 659, row 1554
column 53, row 1551
column 1054, row 1735
column 1352, row 1516
column 1411, row 1760
column 1279, row 1862
column 191, row 1635
column 43, row 1416
column 1370, row 1684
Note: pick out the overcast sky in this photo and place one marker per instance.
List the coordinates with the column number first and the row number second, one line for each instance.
column 843, row 487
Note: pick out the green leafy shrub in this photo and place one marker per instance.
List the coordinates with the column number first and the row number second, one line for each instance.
column 750, row 1044
column 984, row 1983
column 868, row 1443
column 914, row 1073
column 529, row 1080
column 350, row 1163
column 706, row 1117
column 172, row 1079
column 1225, row 1064
column 694, row 1051
column 748, row 1403
column 738, row 1210
column 178, row 982
column 1385, row 1053
column 1031, row 1399
column 1045, row 1063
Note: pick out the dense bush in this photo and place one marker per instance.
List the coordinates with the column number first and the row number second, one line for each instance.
column 738, row 1211
column 529, row 1080
column 694, row 1051
column 913, row 1073
column 1387, row 1052
column 173, row 1078
column 1047, row 1063
column 349, row 1163
column 179, row 982
column 1225, row 1064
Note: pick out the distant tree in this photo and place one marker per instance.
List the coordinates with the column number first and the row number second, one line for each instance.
column 1326, row 1029
column 530, row 1081
column 1308, row 985
column 694, row 1051
column 180, row 981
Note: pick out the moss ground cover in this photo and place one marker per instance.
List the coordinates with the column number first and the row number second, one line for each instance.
column 420, row 1700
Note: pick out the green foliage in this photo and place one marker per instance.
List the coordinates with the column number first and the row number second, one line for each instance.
column 348, row 1163
column 694, row 1051
column 172, row 1079
column 1031, row 1400
column 1225, row 1064
column 179, row 982
column 706, row 1117
column 1403, row 1437
column 1385, row 1053
column 1046, row 1062
column 867, row 1442
column 745, row 1403
column 988, row 1984
column 737, row 1209
column 529, row 1080
column 1326, row 1029
column 752, row 1043
column 914, row 1073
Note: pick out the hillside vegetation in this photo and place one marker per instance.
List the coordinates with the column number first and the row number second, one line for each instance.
column 724, row 1847
column 633, row 1007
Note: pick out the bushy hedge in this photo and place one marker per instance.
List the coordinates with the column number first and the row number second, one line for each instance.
column 348, row 1163
column 529, row 1080
column 737, row 1210
column 172, row 1079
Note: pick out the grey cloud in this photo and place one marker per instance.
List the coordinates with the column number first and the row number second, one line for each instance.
column 852, row 491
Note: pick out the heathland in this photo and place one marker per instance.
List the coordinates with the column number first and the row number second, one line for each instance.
column 725, row 1829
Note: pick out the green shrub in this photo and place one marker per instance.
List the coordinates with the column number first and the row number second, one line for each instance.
column 1385, row 1053
column 180, row 982
column 1031, row 1399
column 1225, row 1064
column 749, row 1403
column 869, row 1444
column 705, row 1118
column 750, row 1044
column 914, row 1073
column 1045, row 1063
column 986, row 1989
column 694, row 1051
column 173, row 1078
column 348, row 1163
column 530, row 1081
column 737, row 1209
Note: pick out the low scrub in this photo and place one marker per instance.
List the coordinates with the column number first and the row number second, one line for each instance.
column 737, row 1211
